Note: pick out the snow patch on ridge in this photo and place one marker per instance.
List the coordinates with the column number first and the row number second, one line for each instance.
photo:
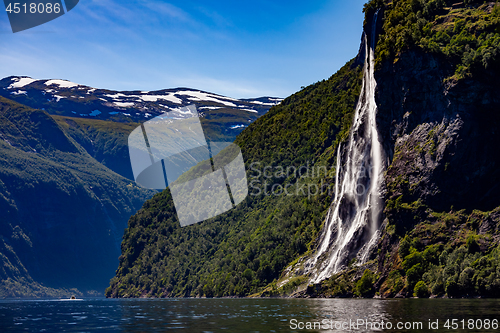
column 201, row 96
column 21, row 82
column 116, row 96
column 62, row 83
column 124, row 104
column 154, row 98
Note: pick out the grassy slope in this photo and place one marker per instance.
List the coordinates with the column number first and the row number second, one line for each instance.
column 243, row 251
column 106, row 141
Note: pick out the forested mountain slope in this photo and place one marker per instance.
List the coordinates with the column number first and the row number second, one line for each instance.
column 242, row 251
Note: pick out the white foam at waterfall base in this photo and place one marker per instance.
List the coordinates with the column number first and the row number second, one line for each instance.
column 352, row 223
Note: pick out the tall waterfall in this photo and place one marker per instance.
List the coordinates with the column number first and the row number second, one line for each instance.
column 352, row 223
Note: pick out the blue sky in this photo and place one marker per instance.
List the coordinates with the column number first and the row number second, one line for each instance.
column 234, row 48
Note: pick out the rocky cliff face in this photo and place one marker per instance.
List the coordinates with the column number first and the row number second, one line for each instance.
column 439, row 124
column 442, row 138
column 442, row 135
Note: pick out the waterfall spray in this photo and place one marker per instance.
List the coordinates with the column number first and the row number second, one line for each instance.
column 352, row 223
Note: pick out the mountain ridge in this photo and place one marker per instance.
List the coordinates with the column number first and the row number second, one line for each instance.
column 62, row 97
column 90, row 155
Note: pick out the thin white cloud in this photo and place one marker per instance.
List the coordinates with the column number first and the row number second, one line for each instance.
column 217, row 19
column 167, row 9
column 110, row 10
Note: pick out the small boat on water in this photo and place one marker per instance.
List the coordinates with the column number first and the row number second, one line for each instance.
column 73, row 298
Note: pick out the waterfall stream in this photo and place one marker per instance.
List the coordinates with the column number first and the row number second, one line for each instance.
column 352, row 223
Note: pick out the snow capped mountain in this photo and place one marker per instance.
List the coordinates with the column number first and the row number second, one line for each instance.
column 66, row 98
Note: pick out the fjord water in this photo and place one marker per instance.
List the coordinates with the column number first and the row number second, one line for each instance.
column 233, row 315
column 352, row 223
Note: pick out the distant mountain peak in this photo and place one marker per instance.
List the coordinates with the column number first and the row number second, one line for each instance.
column 63, row 97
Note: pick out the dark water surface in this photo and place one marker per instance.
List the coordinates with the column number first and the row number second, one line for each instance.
column 250, row 315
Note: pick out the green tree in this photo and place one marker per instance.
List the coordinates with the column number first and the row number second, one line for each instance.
column 421, row 290
column 364, row 287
